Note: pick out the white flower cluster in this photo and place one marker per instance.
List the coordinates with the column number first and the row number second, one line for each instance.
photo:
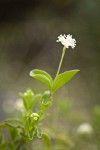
column 67, row 40
column 35, row 116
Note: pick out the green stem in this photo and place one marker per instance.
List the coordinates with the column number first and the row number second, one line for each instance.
column 61, row 60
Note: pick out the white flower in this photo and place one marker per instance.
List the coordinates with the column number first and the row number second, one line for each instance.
column 67, row 40
column 85, row 128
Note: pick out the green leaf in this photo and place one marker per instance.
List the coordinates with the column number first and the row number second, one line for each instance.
column 33, row 100
column 29, row 98
column 42, row 76
column 3, row 125
column 14, row 122
column 46, row 100
column 46, row 141
column 32, row 133
column 25, row 100
column 63, row 78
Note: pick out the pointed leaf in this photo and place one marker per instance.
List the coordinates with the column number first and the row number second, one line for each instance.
column 63, row 78
column 3, row 125
column 42, row 76
column 14, row 122
column 27, row 98
column 33, row 100
column 25, row 101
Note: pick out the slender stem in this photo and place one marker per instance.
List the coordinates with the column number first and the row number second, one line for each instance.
column 61, row 60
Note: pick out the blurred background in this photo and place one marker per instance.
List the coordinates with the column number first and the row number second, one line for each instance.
column 28, row 34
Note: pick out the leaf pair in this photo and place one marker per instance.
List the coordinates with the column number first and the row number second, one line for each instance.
column 29, row 98
column 55, row 84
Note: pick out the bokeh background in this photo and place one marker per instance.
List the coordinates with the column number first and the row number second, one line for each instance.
column 28, row 34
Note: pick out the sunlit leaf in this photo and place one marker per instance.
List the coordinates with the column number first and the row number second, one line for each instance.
column 42, row 76
column 63, row 78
